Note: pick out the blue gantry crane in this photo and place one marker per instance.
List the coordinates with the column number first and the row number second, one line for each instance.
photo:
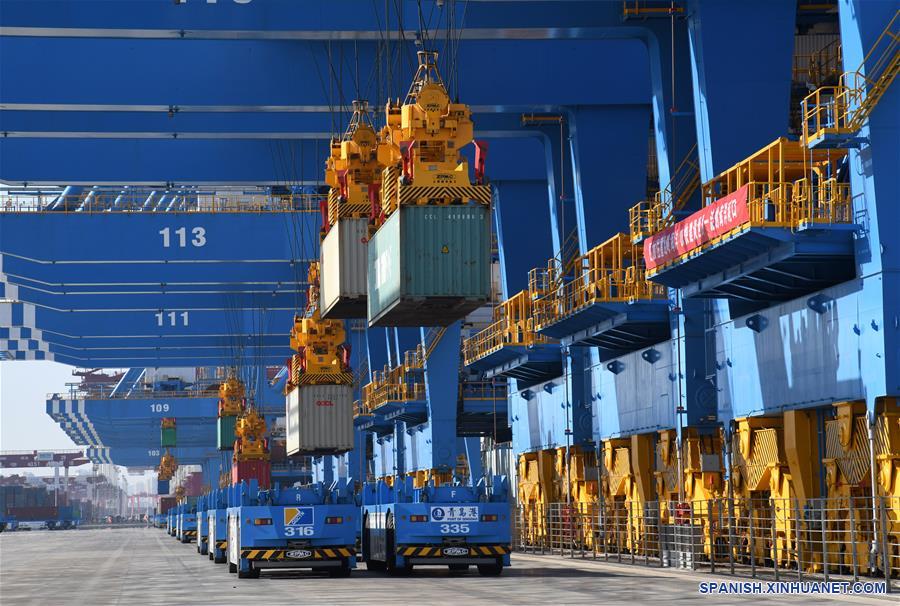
column 647, row 367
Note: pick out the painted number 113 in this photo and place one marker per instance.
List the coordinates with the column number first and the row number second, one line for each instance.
column 198, row 238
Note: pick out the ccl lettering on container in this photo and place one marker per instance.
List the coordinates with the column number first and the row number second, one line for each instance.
column 713, row 221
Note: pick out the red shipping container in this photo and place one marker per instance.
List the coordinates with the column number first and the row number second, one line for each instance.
column 261, row 471
column 32, row 514
column 193, row 484
column 277, row 451
column 166, row 503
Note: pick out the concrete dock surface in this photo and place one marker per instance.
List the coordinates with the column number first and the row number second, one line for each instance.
column 145, row 566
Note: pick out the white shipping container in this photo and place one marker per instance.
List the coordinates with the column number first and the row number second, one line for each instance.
column 319, row 419
column 344, row 262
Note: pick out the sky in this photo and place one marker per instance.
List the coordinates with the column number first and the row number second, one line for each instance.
column 24, row 423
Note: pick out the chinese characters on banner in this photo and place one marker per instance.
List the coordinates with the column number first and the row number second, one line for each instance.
column 717, row 219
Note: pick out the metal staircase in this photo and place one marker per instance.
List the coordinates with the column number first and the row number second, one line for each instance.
column 834, row 115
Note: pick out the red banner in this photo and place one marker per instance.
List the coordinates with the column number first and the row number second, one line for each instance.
column 717, row 219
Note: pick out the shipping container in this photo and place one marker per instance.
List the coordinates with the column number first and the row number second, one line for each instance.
column 193, row 484
column 225, row 432
column 319, row 419
column 167, row 436
column 277, row 450
column 429, row 266
column 33, row 514
column 261, row 471
column 165, row 504
column 162, row 487
column 344, row 262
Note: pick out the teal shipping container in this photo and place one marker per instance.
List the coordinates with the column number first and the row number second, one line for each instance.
column 429, row 265
column 167, row 436
column 225, row 433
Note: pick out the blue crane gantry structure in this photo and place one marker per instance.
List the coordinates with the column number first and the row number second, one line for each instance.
column 154, row 105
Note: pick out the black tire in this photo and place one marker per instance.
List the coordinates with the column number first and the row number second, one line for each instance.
column 232, row 568
column 248, row 574
column 490, row 570
column 458, row 568
column 374, row 565
column 221, row 560
column 340, row 573
column 391, row 549
column 204, row 550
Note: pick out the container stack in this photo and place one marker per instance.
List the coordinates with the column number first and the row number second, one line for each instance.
column 319, row 390
column 250, row 460
column 231, row 405
column 353, row 172
column 429, row 260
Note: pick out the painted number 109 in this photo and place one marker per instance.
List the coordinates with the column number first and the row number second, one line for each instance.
column 198, row 237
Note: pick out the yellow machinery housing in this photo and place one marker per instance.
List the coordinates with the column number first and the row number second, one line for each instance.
column 231, row 397
column 167, row 466
column 353, row 170
column 323, row 357
column 424, row 137
column 543, row 482
column 250, row 437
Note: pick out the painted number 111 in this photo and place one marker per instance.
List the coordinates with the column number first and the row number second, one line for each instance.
column 172, row 317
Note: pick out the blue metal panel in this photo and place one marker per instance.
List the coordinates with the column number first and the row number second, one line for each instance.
column 725, row 37
column 635, row 393
column 542, row 415
column 876, row 190
column 522, row 230
column 609, row 164
column 442, row 389
column 130, row 237
column 799, row 357
column 149, row 457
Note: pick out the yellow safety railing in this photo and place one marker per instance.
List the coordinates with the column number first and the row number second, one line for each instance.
column 792, row 205
column 114, row 202
column 651, row 216
column 645, row 8
column 404, row 382
column 820, row 66
column 512, row 326
column 842, row 109
column 608, row 273
column 782, row 161
column 483, row 390
column 800, row 203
